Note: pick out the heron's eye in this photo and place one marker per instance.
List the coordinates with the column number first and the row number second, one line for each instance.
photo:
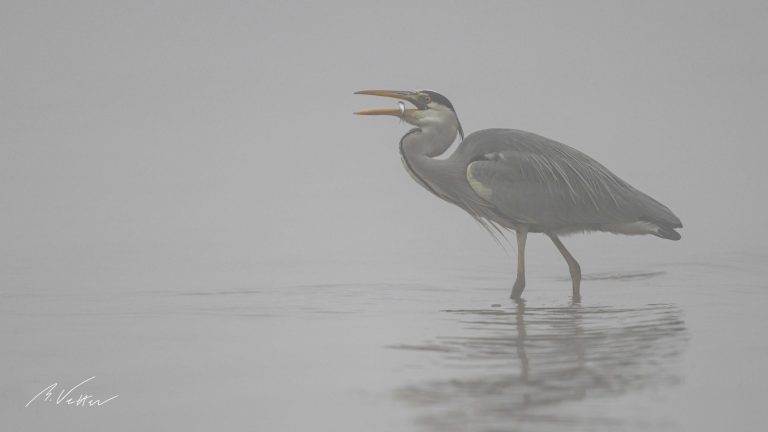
column 426, row 99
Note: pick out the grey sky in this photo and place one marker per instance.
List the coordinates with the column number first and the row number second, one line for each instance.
column 151, row 138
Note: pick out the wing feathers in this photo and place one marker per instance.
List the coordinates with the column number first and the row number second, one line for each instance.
column 531, row 179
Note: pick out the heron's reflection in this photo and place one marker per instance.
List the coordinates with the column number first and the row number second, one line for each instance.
column 520, row 363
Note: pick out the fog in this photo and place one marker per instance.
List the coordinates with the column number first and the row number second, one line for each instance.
column 179, row 145
column 162, row 137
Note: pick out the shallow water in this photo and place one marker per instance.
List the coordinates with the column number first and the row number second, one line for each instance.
column 674, row 346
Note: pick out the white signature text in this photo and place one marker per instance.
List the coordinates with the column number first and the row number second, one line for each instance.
column 66, row 397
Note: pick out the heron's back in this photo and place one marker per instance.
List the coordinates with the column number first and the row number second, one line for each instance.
column 550, row 186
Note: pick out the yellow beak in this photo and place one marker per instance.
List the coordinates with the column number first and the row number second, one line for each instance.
column 397, row 94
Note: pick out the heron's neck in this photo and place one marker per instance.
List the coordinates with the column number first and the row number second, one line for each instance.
column 419, row 147
column 428, row 141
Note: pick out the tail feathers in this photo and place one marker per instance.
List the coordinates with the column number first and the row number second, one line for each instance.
column 665, row 230
column 660, row 215
column 668, row 233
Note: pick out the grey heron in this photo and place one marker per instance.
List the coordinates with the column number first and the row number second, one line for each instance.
column 510, row 179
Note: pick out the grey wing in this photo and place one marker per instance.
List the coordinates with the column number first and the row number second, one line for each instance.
column 536, row 181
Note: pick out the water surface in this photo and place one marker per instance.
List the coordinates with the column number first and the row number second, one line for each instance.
column 672, row 346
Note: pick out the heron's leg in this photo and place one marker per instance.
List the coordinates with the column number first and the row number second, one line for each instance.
column 517, row 289
column 573, row 266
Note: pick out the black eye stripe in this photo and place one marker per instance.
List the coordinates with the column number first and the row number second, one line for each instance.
column 437, row 97
column 442, row 100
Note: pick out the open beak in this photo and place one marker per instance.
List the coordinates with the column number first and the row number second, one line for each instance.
column 408, row 96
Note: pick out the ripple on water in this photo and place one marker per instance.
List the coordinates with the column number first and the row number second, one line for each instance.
column 516, row 365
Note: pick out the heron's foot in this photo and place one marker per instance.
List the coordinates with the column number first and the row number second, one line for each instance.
column 576, row 289
column 517, row 289
column 576, row 280
column 576, row 298
column 575, row 270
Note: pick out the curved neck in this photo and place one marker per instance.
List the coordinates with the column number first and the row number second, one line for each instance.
column 430, row 141
column 419, row 147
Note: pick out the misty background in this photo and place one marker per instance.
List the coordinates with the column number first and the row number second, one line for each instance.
column 190, row 212
column 172, row 145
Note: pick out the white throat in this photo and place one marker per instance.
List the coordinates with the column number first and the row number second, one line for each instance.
column 437, row 132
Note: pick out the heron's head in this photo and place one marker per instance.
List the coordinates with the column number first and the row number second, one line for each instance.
column 431, row 108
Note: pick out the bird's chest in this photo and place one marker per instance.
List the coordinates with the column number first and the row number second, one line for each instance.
column 431, row 186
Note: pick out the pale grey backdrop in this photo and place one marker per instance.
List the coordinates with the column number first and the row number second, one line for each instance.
column 155, row 138
column 157, row 156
